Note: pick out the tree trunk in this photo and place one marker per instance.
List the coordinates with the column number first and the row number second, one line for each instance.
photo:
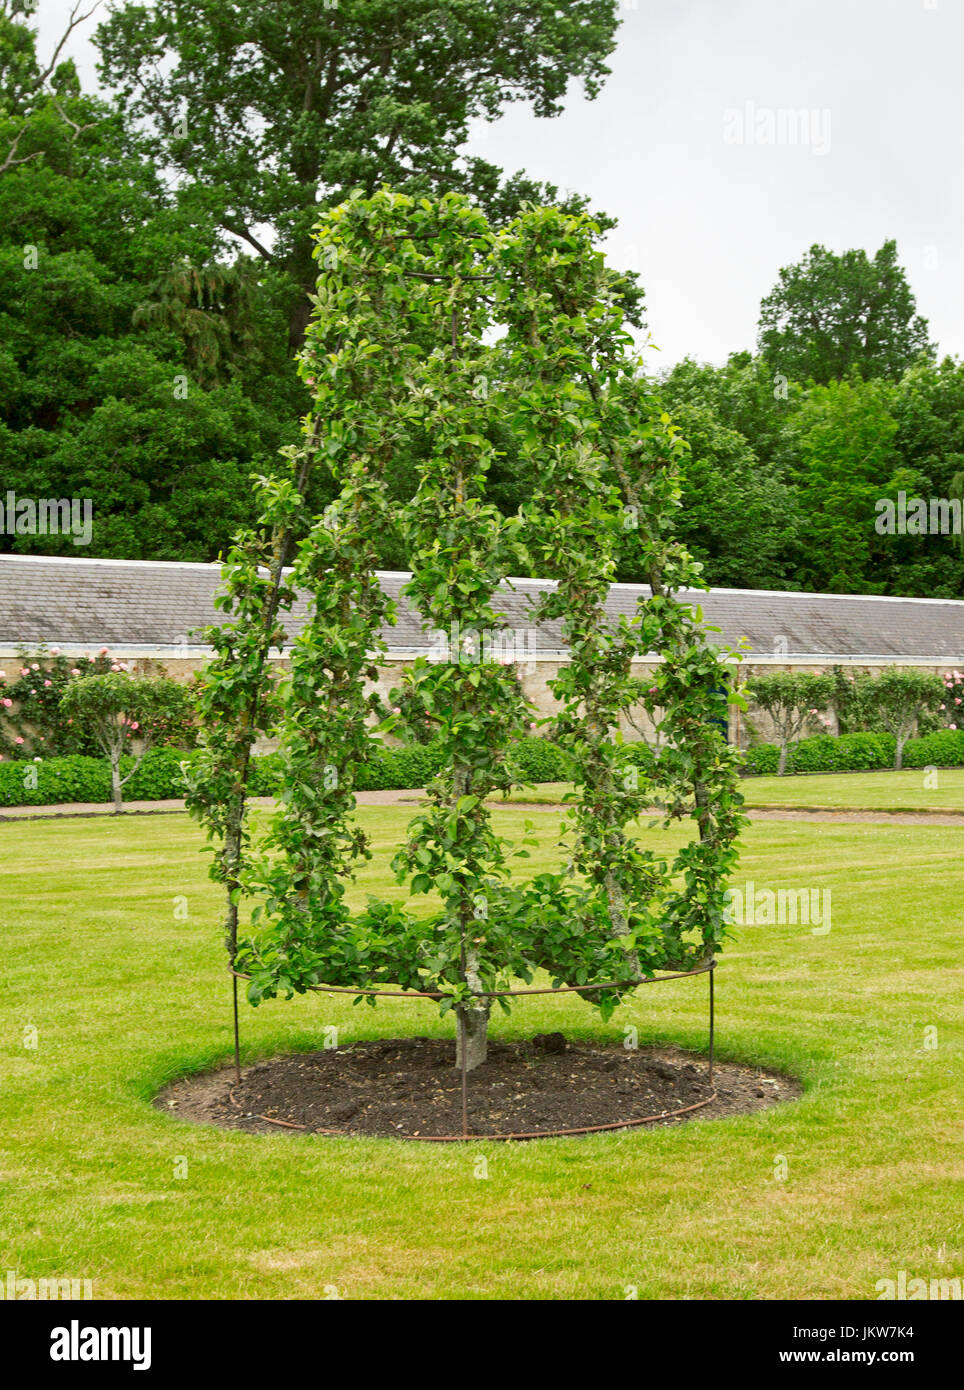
column 472, row 1034
column 782, row 764
column 899, row 759
column 473, row 1017
column 298, row 319
column 115, row 786
column 304, row 271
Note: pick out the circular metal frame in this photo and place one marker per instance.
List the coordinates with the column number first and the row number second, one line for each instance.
column 707, row 969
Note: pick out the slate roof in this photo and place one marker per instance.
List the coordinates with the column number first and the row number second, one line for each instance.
column 71, row 602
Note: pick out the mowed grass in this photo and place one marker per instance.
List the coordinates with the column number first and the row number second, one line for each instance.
column 918, row 789
column 125, row 993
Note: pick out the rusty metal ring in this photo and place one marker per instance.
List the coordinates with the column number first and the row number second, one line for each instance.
column 495, row 993
column 708, row 968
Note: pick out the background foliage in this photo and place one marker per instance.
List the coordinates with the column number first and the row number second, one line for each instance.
column 146, row 344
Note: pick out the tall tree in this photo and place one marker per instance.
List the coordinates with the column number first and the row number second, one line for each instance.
column 831, row 315
column 158, row 417
column 268, row 112
column 843, row 439
column 736, row 515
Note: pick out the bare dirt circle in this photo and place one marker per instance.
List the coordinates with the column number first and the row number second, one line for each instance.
column 410, row 1088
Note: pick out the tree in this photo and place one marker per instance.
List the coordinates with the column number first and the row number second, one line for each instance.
column 792, row 700
column 831, row 315
column 901, row 695
column 746, row 396
column 135, row 418
column 738, row 517
column 845, row 462
column 209, row 308
column 120, row 711
column 402, row 344
column 35, row 97
column 31, row 723
column 271, row 112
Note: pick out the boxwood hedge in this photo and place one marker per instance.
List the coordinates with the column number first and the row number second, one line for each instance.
column 159, row 777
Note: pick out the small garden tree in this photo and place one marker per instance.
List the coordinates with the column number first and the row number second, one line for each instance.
column 124, row 714
column 404, row 354
column 31, row 723
column 901, row 695
column 793, row 700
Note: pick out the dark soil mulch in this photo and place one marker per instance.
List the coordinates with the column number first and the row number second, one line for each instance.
column 410, row 1088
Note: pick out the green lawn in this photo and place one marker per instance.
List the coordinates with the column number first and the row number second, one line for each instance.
column 124, row 995
column 913, row 790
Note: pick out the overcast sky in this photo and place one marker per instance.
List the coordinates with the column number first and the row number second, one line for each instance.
column 733, row 134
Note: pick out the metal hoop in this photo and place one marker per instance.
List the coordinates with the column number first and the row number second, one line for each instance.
column 707, row 968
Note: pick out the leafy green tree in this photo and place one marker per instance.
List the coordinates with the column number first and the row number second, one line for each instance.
column 843, row 436
column 125, row 714
column 157, row 409
column 929, row 410
column 746, row 395
column 31, row 724
column 830, row 315
column 272, row 111
column 740, row 520
column 792, row 699
column 901, row 695
column 209, row 308
column 409, row 297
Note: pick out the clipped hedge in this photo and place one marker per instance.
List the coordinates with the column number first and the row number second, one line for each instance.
column 538, row 760
column 159, row 777
column 862, row 752
column 81, row 778
column 943, row 748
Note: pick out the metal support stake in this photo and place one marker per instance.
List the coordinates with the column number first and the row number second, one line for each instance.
column 463, row 1040
column 712, row 972
column 237, row 1043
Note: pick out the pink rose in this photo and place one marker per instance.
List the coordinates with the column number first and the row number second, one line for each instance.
column 7, row 703
column 54, row 651
column 18, row 740
column 75, row 670
column 104, row 651
column 48, row 683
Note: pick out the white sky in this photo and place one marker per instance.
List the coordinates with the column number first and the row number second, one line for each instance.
column 708, row 221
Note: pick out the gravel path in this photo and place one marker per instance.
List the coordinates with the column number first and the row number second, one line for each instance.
column 412, row 798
